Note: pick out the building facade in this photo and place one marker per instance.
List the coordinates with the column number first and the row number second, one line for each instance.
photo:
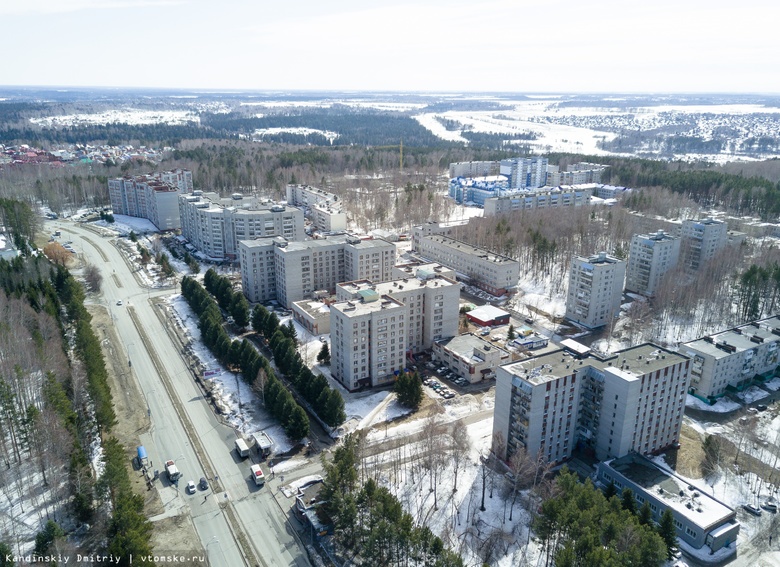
column 734, row 359
column 650, row 256
column 470, row 357
column 595, row 289
column 576, row 173
column 154, row 197
column 215, row 225
column 540, row 199
column 431, row 301
column 630, row 401
column 474, row 169
column 491, row 272
column 368, row 340
column 701, row 240
column 524, row 172
column 299, row 269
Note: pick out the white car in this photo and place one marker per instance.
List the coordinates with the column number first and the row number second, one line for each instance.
column 190, row 487
column 119, row 302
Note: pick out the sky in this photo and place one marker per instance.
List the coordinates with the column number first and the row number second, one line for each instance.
column 602, row 46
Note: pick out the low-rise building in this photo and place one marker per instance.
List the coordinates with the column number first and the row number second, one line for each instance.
column 314, row 316
column 470, row 357
column 491, row 272
column 701, row 520
column 488, row 316
column 733, row 359
column 425, row 269
column 630, row 401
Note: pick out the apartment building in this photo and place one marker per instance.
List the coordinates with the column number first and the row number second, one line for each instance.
column 323, row 208
column 524, row 172
column 368, row 340
column 701, row 240
column 733, row 359
column 538, row 199
column 494, row 273
column 595, row 289
column 650, row 256
column 301, row 268
column 307, row 196
column 154, row 197
column 576, row 173
column 630, row 401
column 475, row 191
column 431, row 301
column 328, row 218
column 215, row 225
column 474, row 169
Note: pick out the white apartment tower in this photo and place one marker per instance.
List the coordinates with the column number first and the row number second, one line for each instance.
column 525, row 172
column 301, row 268
column 153, row 197
column 595, row 289
column 215, row 225
column 649, row 258
column 631, row 401
column 701, row 240
column 368, row 340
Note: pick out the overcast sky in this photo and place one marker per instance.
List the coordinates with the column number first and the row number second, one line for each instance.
column 425, row 45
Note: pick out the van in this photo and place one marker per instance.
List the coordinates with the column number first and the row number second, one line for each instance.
column 242, row 448
column 257, row 475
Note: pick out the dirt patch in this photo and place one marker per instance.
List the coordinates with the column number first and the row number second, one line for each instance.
column 690, row 455
column 170, row 534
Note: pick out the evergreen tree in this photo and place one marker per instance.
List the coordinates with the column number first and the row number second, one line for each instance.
column 510, row 334
column 628, row 500
column 239, row 310
column 297, row 426
column 408, row 390
column 646, row 514
column 324, row 356
column 668, row 532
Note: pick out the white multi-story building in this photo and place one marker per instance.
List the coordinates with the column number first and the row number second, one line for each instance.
column 576, row 174
column 733, row 359
column 299, row 269
column 494, row 273
column 154, row 197
column 525, row 172
column 215, row 225
column 701, row 240
column 474, row 169
column 630, row 401
column 368, row 340
column 328, row 218
column 595, row 289
column 431, row 301
column 649, row 258
column 539, row 199
column 323, row 208
column 307, row 196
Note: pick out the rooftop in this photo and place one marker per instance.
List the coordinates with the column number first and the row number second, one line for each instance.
column 469, row 249
column 738, row 339
column 470, row 347
column 674, row 491
column 487, row 313
column 357, row 308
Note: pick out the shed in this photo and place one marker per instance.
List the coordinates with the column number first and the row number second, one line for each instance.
column 488, row 316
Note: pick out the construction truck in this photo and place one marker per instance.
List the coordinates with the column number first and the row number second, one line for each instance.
column 173, row 473
column 141, row 458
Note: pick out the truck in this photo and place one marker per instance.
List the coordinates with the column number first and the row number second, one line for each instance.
column 264, row 444
column 141, row 458
column 242, row 448
column 173, row 473
column 257, row 474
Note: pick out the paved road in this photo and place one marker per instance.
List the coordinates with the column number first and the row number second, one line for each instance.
column 185, row 428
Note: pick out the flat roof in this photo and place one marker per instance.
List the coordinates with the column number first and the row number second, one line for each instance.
column 738, row 339
column 313, row 308
column 629, row 363
column 487, row 313
column 468, row 347
column 674, row 491
column 354, row 307
column 469, row 249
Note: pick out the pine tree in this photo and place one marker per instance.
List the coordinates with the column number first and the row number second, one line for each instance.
column 628, row 500
column 324, row 356
column 646, row 514
column 668, row 532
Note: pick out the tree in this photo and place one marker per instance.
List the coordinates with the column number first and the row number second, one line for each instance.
column 239, row 310
column 133, row 236
column 628, row 500
column 668, row 532
column 645, row 514
column 55, row 252
column 408, row 390
column 510, row 334
column 50, row 532
column 297, row 426
column 324, row 356
column 93, row 278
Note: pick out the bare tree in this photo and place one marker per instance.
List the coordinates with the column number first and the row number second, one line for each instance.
column 460, row 445
column 93, row 278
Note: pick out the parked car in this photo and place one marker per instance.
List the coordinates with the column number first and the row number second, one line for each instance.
column 484, row 332
column 449, row 395
column 190, row 487
column 755, row 510
column 441, row 370
column 752, row 410
column 769, row 507
column 761, row 407
column 203, row 484
column 119, row 302
column 528, row 320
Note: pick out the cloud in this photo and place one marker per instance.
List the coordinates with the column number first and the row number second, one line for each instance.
column 63, row 6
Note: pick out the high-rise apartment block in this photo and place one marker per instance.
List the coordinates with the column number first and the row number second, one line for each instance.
column 630, row 401
column 701, row 240
column 733, row 359
column 287, row 271
column 595, row 289
column 649, row 258
column 494, row 273
column 368, row 340
column 474, row 169
column 215, row 225
column 154, row 197
column 431, row 301
column 525, row 172
column 323, row 208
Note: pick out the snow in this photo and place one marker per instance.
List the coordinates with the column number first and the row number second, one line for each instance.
column 119, row 116
column 260, row 133
column 723, row 405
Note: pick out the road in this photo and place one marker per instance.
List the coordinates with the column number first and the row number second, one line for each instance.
column 237, row 523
